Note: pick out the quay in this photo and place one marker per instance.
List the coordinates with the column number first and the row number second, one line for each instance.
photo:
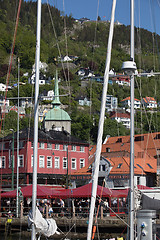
column 107, row 227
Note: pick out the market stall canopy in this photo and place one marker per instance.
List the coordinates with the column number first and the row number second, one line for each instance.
column 42, row 192
column 86, row 191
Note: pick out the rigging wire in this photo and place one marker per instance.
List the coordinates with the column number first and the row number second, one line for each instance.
column 7, row 79
column 139, row 85
column 56, row 38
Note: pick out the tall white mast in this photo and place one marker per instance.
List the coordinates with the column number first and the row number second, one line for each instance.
column 35, row 151
column 132, row 130
column 101, row 123
column 17, row 192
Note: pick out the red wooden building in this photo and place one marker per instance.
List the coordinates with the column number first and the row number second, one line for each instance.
column 58, row 153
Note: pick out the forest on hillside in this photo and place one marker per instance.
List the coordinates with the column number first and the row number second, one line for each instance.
column 60, row 36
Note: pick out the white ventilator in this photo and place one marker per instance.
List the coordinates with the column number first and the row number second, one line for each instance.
column 46, row 227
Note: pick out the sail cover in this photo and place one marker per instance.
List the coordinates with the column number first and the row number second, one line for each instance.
column 47, row 227
column 150, row 203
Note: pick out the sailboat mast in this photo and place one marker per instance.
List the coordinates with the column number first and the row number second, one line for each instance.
column 132, row 128
column 101, row 124
column 35, row 151
column 17, row 192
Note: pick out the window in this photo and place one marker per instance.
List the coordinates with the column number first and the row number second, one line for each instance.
column 49, row 145
column 56, row 146
column 32, row 144
column 31, row 160
column 10, row 160
column 65, row 147
column 157, row 136
column 82, row 163
column 56, row 162
column 21, row 144
column 73, row 166
column 119, row 165
column 3, row 162
column 49, row 162
column 139, row 166
column 64, row 163
column 41, row 161
column 103, row 168
column 158, row 151
column 73, row 148
column 41, row 145
column 81, row 149
column 119, row 140
column 21, row 161
column 107, row 149
column 2, row 146
column 138, row 180
column 139, row 138
column 149, row 165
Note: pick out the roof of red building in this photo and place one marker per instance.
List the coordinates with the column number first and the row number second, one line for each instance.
column 120, row 115
column 141, row 166
column 128, row 98
column 147, row 143
column 149, row 99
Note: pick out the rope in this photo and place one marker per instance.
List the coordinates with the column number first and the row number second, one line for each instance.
column 10, row 62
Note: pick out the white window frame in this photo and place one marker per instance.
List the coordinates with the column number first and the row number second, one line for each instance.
column 3, row 162
column 49, row 145
column 65, row 163
column 82, row 162
column 41, row 145
column 32, row 144
column 32, row 161
column 74, row 162
column 81, row 148
column 73, row 148
column 9, row 159
column 49, row 160
column 56, row 146
column 65, row 147
column 41, row 161
column 21, row 160
column 56, row 162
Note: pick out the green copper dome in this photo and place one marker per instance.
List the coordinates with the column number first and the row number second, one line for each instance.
column 57, row 114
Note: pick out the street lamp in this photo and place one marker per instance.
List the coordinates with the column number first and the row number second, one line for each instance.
column 12, row 159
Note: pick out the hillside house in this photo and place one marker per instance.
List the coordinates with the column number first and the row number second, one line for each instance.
column 25, row 102
column 149, row 102
column 127, row 103
column 121, row 80
column 2, row 87
column 47, row 95
column 111, row 103
column 42, row 79
column 83, row 101
column 85, row 72
column 3, row 101
column 121, row 117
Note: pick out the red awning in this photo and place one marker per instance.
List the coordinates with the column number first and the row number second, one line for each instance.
column 42, row 192
column 80, row 192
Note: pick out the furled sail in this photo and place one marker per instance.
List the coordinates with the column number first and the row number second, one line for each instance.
column 46, row 227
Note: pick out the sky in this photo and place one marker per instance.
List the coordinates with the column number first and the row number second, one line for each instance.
column 147, row 12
